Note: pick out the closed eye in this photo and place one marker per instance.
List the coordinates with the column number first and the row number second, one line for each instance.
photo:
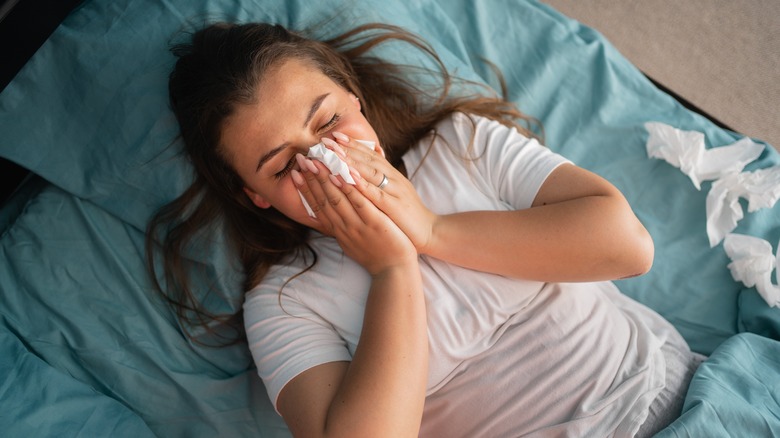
column 336, row 117
column 290, row 164
column 282, row 173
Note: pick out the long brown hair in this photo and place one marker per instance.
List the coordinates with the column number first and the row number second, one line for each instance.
column 219, row 69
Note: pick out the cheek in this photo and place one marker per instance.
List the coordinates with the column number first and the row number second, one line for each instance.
column 357, row 127
column 288, row 201
column 285, row 195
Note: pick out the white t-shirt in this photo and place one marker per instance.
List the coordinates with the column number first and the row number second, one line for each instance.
column 508, row 357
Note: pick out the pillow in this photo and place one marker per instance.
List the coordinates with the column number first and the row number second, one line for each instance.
column 89, row 112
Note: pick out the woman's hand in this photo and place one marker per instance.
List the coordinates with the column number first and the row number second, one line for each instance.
column 397, row 199
column 381, row 392
column 365, row 233
column 580, row 227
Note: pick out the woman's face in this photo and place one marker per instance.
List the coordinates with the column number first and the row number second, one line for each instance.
column 296, row 105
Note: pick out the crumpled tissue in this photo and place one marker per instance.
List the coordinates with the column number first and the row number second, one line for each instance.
column 685, row 150
column 334, row 163
column 761, row 188
column 752, row 264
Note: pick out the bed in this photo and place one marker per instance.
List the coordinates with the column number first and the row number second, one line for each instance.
column 88, row 349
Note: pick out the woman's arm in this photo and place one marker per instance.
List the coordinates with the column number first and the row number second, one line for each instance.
column 382, row 391
column 579, row 228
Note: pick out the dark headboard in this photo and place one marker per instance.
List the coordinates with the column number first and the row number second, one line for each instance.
column 24, row 26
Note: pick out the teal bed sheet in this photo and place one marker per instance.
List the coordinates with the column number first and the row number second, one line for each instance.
column 734, row 393
column 88, row 349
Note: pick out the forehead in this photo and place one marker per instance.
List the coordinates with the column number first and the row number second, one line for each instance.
column 292, row 78
column 286, row 92
column 282, row 100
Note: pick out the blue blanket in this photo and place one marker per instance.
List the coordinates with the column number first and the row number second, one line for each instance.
column 87, row 348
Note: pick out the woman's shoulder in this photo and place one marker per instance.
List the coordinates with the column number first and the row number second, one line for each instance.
column 472, row 133
column 460, row 118
column 468, row 121
column 467, row 126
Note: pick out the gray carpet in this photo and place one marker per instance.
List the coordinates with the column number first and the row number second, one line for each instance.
column 722, row 56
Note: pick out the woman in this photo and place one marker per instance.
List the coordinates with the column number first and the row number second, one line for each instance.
column 458, row 288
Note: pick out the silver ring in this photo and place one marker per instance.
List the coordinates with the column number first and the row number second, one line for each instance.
column 384, row 182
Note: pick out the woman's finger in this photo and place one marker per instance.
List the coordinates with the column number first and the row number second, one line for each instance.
column 307, row 188
column 387, row 189
column 369, row 162
column 358, row 156
column 327, row 194
column 363, row 206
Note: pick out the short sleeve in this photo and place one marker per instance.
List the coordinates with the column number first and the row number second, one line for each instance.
column 285, row 337
column 516, row 166
column 473, row 163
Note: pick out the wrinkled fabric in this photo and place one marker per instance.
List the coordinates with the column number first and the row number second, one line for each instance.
column 89, row 114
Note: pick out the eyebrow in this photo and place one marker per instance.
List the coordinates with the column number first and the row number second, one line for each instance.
column 272, row 153
column 314, row 107
column 275, row 151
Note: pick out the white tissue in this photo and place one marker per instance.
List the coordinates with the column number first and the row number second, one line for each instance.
column 752, row 264
column 761, row 188
column 685, row 150
column 334, row 163
column 307, row 206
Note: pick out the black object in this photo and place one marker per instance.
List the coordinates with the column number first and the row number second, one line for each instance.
column 24, row 26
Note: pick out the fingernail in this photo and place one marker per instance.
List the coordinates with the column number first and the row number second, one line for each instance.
column 354, row 173
column 341, row 136
column 334, row 180
column 310, row 165
column 297, row 177
column 335, row 147
column 301, row 162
